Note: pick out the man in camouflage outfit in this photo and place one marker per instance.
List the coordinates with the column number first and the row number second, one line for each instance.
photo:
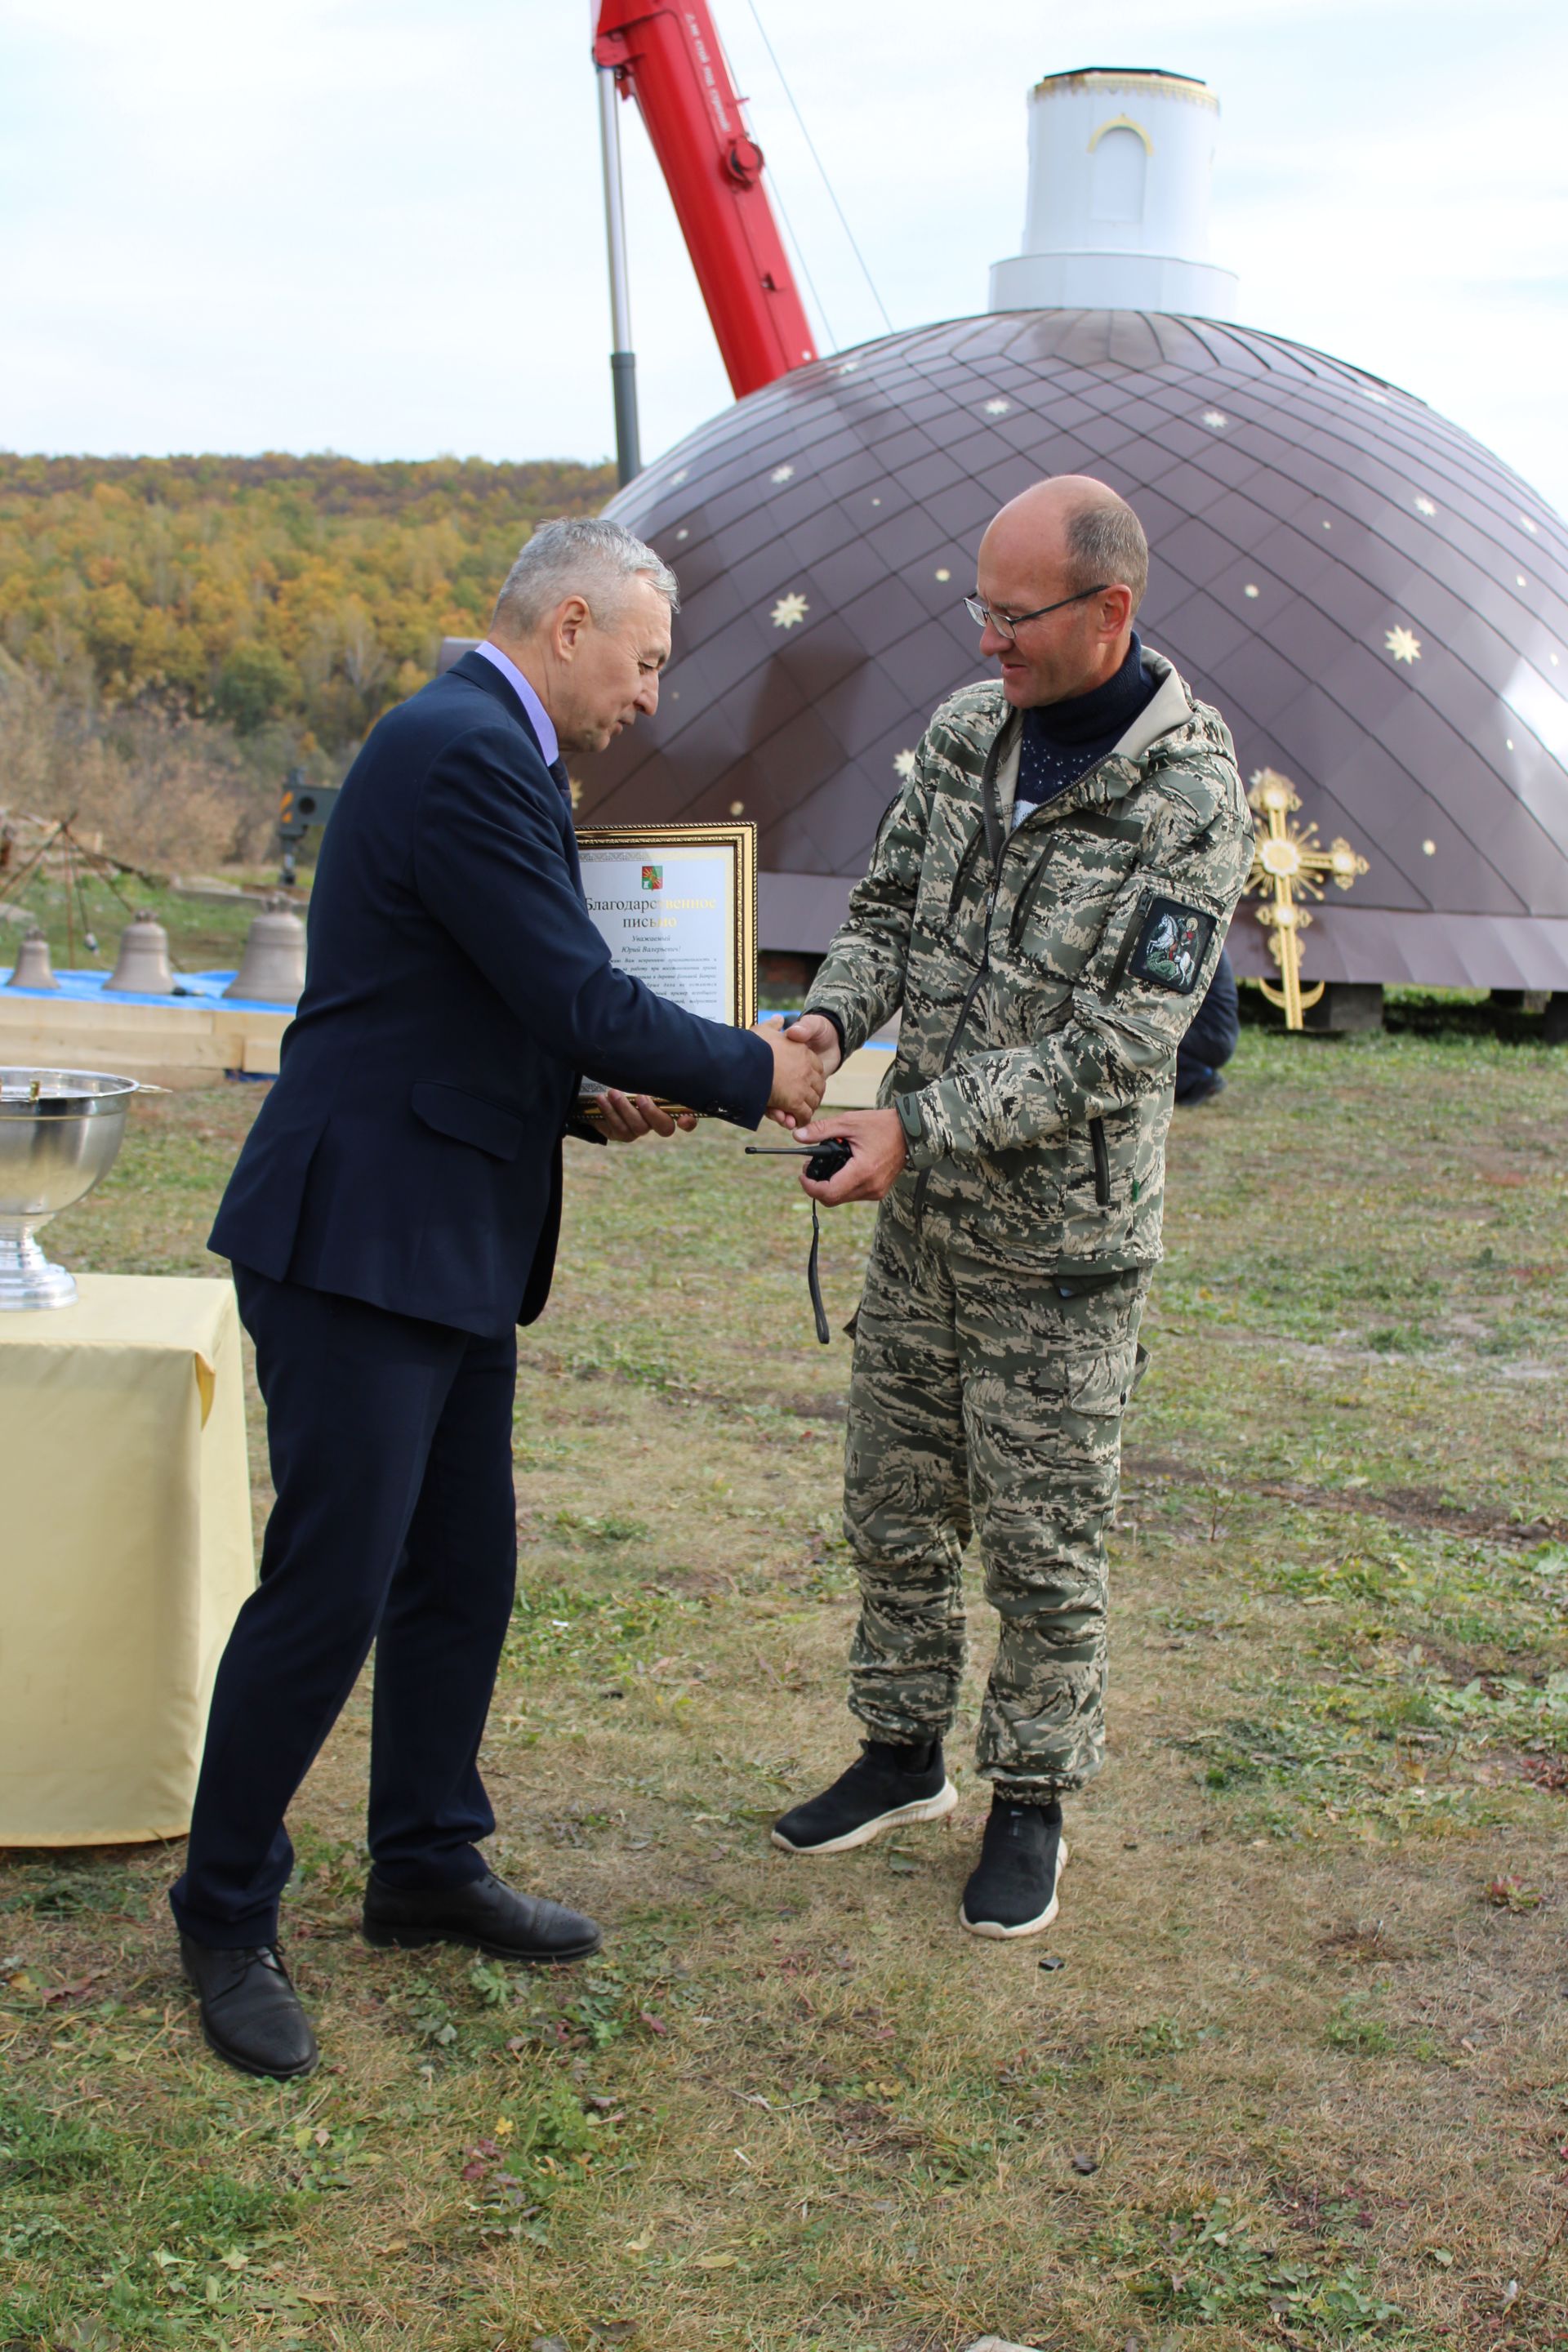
column 1047, row 901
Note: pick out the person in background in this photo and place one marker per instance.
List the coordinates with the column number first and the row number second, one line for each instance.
column 1211, row 1040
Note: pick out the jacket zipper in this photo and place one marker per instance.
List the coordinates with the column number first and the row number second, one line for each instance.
column 961, row 876
column 1101, row 1161
column 1027, row 897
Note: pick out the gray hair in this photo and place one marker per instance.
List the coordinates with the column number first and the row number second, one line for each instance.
column 578, row 555
column 1106, row 542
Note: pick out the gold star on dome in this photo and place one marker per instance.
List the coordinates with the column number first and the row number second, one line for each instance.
column 790, row 611
column 782, row 474
column 904, row 762
column 997, row 407
column 676, row 479
column 1404, row 645
column 1424, row 506
column 1216, row 419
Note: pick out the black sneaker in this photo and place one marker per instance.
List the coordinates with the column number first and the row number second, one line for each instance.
column 884, row 1788
column 1014, row 1890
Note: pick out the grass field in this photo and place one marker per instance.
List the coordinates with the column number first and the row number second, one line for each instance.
column 1302, row 2076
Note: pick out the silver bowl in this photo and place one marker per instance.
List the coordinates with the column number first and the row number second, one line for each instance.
column 59, row 1130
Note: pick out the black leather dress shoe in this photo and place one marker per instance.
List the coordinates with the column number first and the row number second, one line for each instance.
column 250, row 2012
column 491, row 1917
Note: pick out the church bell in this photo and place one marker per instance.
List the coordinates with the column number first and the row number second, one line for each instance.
column 142, row 967
column 272, row 968
column 34, row 969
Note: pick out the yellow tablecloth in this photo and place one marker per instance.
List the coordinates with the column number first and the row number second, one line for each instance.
column 125, row 1551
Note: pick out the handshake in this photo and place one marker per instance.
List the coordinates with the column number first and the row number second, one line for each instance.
column 805, row 1055
column 805, row 1058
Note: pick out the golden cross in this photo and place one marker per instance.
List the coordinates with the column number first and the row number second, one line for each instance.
column 1288, row 858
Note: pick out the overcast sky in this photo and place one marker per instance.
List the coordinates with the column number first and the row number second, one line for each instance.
column 374, row 226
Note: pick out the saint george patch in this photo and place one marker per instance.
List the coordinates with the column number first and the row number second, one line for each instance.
column 1172, row 945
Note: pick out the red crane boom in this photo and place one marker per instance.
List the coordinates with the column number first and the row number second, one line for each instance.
column 666, row 54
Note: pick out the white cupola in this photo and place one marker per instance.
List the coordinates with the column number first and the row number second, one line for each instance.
column 1117, row 212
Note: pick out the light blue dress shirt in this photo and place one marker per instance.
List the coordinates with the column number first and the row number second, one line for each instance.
column 538, row 718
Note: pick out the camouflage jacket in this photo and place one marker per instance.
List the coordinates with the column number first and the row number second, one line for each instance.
column 1044, row 974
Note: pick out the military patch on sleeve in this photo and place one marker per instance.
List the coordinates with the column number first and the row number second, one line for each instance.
column 1171, row 943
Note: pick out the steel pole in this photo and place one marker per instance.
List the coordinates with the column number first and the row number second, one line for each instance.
column 623, row 359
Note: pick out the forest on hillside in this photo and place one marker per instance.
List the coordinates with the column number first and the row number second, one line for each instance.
column 175, row 632
column 255, row 588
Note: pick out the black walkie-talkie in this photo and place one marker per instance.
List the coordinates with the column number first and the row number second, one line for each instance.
column 823, row 1161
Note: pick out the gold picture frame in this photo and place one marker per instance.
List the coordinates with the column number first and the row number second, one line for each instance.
column 676, row 906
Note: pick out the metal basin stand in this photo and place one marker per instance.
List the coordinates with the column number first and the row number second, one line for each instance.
column 59, row 1130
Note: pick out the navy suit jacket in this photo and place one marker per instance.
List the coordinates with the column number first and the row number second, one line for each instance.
column 409, row 1153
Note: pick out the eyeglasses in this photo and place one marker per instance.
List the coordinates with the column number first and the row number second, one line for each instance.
column 1007, row 625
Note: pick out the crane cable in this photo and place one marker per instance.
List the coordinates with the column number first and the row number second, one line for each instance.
column 826, row 183
column 802, row 263
column 783, row 209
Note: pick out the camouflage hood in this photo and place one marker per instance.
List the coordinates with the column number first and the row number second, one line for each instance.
column 1044, row 973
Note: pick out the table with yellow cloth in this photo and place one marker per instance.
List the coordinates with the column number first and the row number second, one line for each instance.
column 125, row 1551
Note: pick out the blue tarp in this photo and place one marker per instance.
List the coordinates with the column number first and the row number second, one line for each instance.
column 190, row 988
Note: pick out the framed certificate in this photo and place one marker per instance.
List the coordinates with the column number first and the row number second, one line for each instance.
column 677, row 906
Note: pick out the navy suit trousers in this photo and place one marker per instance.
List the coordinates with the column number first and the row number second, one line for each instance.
column 395, row 1523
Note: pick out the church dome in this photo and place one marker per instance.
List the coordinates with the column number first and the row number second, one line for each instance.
column 1375, row 604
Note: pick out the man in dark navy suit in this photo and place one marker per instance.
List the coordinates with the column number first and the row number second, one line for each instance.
column 393, row 1217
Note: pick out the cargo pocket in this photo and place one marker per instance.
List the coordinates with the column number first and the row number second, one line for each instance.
column 1100, row 1385
column 1084, row 1286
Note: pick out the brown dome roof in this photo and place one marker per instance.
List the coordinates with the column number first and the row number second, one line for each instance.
column 1376, row 606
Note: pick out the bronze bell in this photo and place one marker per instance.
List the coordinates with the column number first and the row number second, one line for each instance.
column 272, row 968
column 142, row 967
column 34, row 969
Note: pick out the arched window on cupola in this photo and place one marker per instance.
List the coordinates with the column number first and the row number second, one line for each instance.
column 1120, row 152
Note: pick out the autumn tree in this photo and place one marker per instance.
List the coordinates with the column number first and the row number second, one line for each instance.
column 259, row 590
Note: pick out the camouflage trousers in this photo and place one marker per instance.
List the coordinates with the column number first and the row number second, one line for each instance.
column 988, row 1401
